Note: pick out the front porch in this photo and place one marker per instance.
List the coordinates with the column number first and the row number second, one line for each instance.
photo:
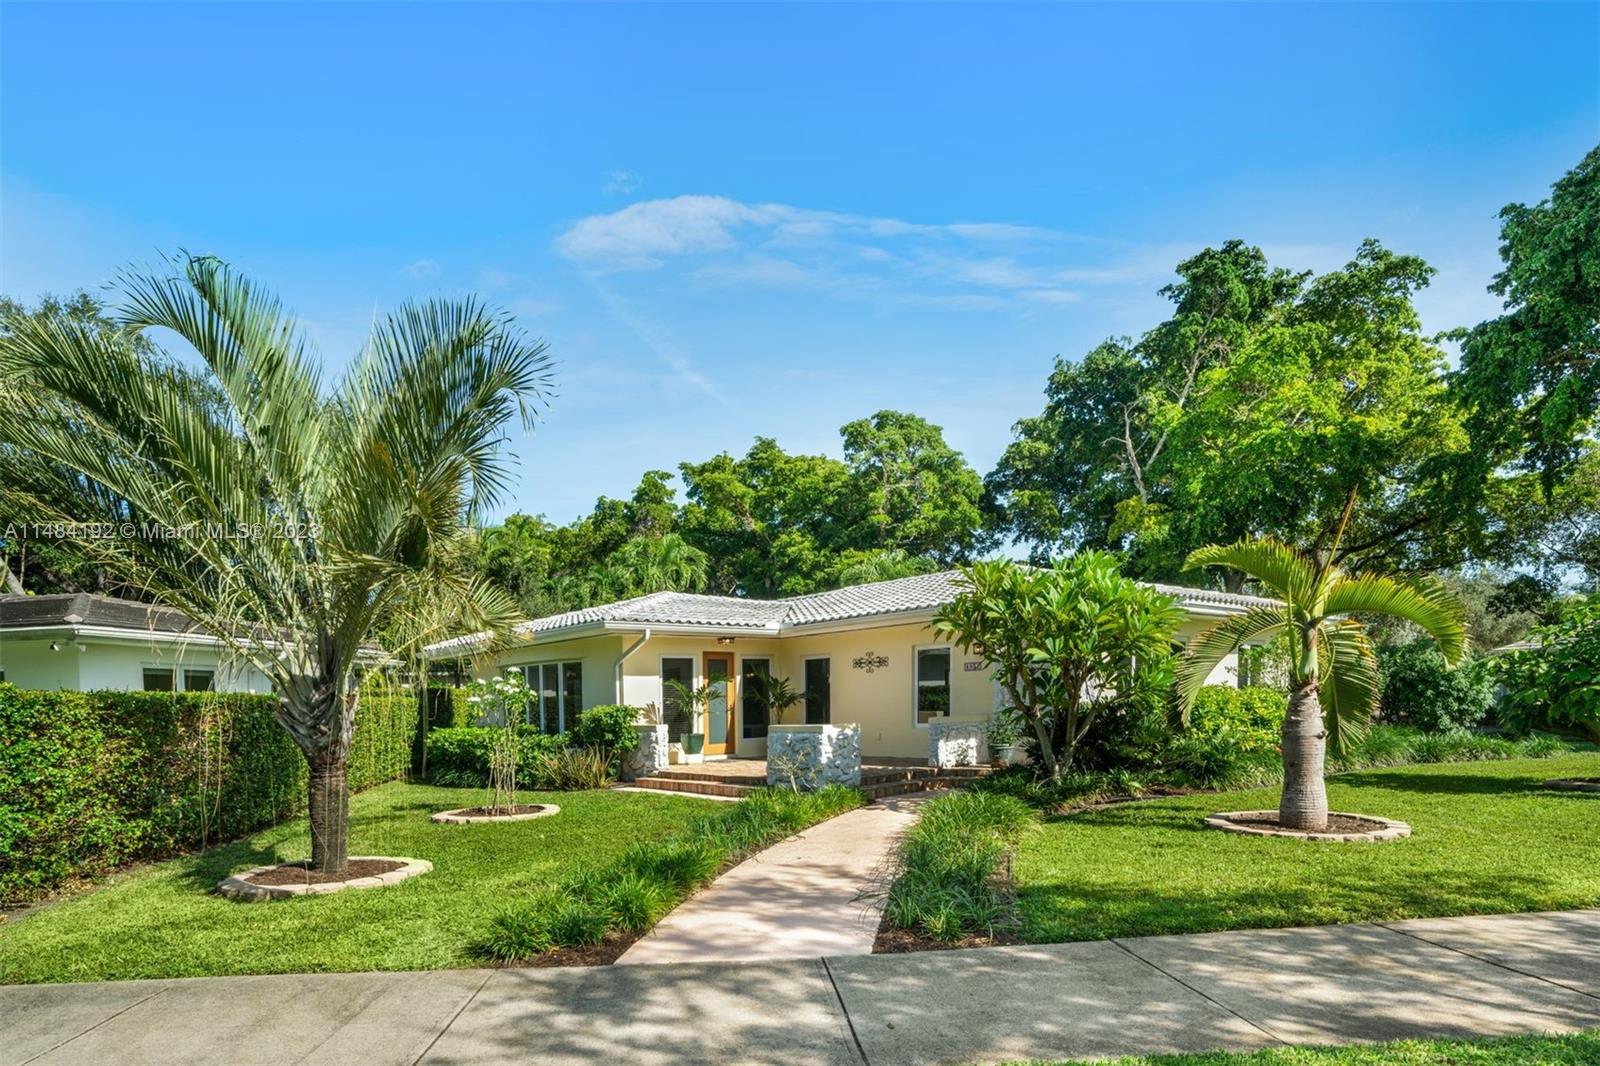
column 732, row 778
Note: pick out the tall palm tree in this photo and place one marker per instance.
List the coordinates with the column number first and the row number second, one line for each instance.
column 297, row 523
column 1333, row 674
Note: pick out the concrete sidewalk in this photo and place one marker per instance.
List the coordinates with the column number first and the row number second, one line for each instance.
column 801, row 898
column 1528, row 973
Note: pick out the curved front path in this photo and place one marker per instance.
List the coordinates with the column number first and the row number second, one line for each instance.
column 800, row 898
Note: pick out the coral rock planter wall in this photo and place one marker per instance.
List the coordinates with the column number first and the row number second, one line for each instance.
column 820, row 755
column 241, row 889
column 958, row 744
column 651, row 756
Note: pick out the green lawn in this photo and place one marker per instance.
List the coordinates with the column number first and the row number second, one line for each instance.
column 1485, row 839
column 1577, row 1049
column 163, row 921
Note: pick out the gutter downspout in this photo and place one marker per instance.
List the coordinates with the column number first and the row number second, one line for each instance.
column 629, row 650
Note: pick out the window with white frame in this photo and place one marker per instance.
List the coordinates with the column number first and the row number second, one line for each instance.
column 556, row 691
column 933, row 684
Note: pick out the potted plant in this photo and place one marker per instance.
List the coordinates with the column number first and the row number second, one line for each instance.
column 779, row 694
column 1003, row 735
column 698, row 700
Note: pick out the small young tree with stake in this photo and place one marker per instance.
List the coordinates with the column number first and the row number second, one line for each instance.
column 1062, row 640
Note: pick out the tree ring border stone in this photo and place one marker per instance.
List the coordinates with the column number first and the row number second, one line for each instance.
column 1573, row 784
column 1382, row 828
column 456, row 817
column 239, row 888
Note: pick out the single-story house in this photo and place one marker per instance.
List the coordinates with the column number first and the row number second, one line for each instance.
column 865, row 654
column 86, row 641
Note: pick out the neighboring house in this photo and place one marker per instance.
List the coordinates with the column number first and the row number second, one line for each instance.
column 87, row 641
column 864, row 655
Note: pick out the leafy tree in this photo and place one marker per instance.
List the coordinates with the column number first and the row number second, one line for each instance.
column 305, row 523
column 921, row 497
column 1334, row 679
column 1066, row 642
column 1254, row 410
column 856, row 567
column 652, row 564
column 1531, row 377
column 771, row 523
column 1557, row 683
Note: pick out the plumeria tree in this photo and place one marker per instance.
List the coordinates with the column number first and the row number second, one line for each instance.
column 305, row 525
column 1333, row 673
column 1063, row 642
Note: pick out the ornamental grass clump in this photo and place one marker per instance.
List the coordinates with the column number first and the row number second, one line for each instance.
column 631, row 894
column 952, row 867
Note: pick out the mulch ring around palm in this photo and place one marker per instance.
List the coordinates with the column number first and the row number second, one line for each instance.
column 520, row 812
column 1341, row 828
column 1574, row 784
column 289, row 879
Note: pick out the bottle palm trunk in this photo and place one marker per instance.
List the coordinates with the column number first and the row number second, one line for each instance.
column 1304, row 804
column 328, row 810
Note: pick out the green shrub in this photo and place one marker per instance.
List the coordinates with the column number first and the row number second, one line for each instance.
column 1221, row 760
column 459, row 757
column 1421, row 690
column 1251, row 718
column 609, row 727
column 632, row 893
column 948, row 865
column 91, row 780
column 1557, row 684
column 568, row 769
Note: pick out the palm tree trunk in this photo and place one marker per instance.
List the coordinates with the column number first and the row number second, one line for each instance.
column 1305, row 794
column 328, row 806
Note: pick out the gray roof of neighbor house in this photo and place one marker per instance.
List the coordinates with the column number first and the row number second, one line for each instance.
column 92, row 610
column 906, row 595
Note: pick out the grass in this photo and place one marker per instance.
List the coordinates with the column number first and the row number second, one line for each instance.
column 1575, row 1049
column 631, row 892
column 1486, row 838
column 947, row 865
column 163, row 920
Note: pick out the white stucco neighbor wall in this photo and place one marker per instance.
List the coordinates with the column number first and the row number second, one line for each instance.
column 88, row 663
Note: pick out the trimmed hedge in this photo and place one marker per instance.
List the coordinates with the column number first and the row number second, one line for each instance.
column 459, row 757
column 91, row 780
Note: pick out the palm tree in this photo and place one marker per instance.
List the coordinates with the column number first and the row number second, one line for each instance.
column 1333, row 674
column 300, row 525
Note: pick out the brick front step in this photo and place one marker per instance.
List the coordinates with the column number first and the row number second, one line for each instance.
column 877, row 782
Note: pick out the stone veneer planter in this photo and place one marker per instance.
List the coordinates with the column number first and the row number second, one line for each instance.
column 239, row 889
column 1382, row 828
column 459, row 816
column 652, row 754
column 958, row 744
column 822, row 754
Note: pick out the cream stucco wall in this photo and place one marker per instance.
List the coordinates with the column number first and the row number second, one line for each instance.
column 882, row 702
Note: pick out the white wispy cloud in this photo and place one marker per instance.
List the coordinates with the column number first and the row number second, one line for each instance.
column 420, row 269
column 717, row 240
column 622, row 182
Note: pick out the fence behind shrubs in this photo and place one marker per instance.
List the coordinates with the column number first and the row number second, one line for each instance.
column 89, row 780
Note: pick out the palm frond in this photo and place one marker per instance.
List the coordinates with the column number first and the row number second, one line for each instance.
column 1425, row 602
column 1350, row 682
column 1273, row 563
column 1202, row 654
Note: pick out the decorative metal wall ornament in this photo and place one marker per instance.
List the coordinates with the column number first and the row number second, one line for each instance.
column 870, row 662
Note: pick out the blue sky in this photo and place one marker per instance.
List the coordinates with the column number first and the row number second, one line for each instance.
column 767, row 219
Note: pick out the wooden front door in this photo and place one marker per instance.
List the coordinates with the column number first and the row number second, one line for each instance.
column 720, row 737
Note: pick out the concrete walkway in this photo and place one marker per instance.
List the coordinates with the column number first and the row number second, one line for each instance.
column 799, row 899
column 1530, row 973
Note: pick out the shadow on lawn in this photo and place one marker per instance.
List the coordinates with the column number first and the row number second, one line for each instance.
column 1440, row 784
